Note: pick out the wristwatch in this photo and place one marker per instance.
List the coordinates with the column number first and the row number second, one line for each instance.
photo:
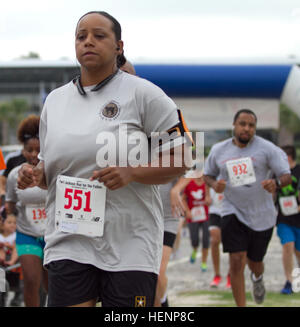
column 278, row 184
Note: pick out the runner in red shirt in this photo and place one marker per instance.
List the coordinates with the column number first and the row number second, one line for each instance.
column 196, row 199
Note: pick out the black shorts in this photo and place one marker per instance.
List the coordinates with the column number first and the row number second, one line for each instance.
column 71, row 283
column 237, row 237
column 169, row 239
column 214, row 220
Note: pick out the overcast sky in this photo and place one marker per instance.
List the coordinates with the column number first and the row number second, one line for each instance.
column 158, row 30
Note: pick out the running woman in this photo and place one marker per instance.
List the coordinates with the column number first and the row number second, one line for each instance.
column 196, row 199
column 171, row 225
column 215, row 236
column 106, row 239
column 288, row 220
column 244, row 165
column 31, row 216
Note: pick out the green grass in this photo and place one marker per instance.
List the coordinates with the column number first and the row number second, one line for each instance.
column 216, row 298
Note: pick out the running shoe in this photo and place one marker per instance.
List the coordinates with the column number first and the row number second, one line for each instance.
column 193, row 256
column 17, row 300
column 228, row 282
column 287, row 289
column 203, row 266
column 258, row 290
column 216, row 281
column 165, row 303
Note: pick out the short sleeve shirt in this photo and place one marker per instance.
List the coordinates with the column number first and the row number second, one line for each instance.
column 171, row 223
column 196, row 196
column 26, row 200
column 216, row 202
column 70, row 142
column 290, row 190
column 252, row 205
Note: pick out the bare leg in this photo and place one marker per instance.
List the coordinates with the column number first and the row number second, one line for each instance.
column 162, row 280
column 288, row 259
column 215, row 239
column 90, row 303
column 237, row 267
column 32, row 274
column 256, row 267
column 178, row 236
column 204, row 255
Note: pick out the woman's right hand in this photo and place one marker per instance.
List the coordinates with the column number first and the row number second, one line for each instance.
column 177, row 206
column 188, row 215
column 30, row 176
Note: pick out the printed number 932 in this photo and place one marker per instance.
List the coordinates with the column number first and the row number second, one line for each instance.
column 239, row 169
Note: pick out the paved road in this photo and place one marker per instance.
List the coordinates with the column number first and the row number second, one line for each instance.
column 184, row 276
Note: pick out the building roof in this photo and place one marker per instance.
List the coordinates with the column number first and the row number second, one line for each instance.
column 177, row 80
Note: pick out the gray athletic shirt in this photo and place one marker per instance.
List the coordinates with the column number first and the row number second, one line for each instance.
column 251, row 204
column 70, row 124
column 170, row 223
column 33, row 196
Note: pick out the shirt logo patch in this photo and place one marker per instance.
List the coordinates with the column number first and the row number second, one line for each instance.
column 110, row 111
column 140, row 301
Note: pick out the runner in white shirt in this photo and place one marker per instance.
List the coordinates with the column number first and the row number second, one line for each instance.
column 215, row 236
column 31, row 215
column 244, row 165
column 104, row 239
column 171, row 225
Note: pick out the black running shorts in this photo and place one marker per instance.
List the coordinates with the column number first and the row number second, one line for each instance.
column 237, row 237
column 71, row 283
column 169, row 239
column 215, row 220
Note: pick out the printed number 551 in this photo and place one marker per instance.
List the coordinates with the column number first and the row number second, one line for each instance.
column 77, row 199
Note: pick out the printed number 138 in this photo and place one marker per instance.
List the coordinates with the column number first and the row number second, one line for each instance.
column 79, row 197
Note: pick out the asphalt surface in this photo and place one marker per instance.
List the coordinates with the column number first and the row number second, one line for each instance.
column 186, row 277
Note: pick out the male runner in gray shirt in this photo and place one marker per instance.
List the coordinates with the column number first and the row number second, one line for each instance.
column 245, row 164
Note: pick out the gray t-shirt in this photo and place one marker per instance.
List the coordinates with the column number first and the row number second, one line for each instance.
column 70, row 124
column 31, row 219
column 216, row 202
column 170, row 223
column 251, row 204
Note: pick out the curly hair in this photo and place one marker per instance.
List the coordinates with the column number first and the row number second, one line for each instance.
column 28, row 128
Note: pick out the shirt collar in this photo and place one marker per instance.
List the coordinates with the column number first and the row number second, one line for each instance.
column 248, row 144
column 99, row 86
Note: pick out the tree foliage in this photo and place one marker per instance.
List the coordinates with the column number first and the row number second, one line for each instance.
column 31, row 55
column 13, row 111
column 11, row 114
column 289, row 119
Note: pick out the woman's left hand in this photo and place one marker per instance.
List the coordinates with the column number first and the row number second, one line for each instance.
column 114, row 177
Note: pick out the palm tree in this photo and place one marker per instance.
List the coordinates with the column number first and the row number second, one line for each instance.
column 289, row 125
column 11, row 113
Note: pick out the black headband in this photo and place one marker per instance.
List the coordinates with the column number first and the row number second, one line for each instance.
column 27, row 137
column 81, row 90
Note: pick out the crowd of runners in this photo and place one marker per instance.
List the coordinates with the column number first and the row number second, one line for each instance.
column 79, row 228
